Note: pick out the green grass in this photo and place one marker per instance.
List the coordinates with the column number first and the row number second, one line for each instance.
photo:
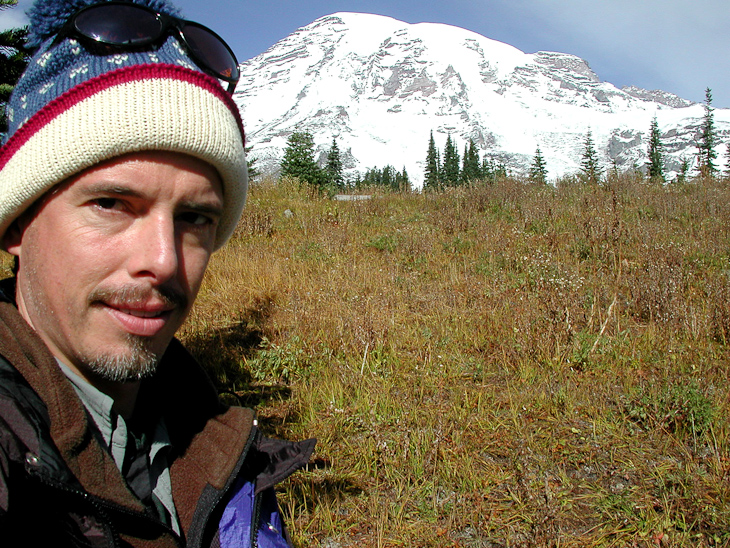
column 506, row 365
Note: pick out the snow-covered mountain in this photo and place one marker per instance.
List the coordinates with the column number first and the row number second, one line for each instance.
column 380, row 86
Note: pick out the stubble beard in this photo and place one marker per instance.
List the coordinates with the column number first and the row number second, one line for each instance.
column 138, row 363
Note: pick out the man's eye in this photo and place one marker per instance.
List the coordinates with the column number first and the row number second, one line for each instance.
column 106, row 203
column 195, row 218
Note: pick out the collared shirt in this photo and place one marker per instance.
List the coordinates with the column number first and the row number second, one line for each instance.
column 113, row 430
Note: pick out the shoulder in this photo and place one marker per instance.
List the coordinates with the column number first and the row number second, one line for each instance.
column 16, row 393
column 23, row 415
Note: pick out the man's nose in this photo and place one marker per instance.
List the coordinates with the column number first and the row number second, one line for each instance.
column 156, row 255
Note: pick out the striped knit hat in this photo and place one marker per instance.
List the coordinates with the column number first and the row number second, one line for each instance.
column 75, row 107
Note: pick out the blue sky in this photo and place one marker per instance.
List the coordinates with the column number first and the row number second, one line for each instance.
column 681, row 46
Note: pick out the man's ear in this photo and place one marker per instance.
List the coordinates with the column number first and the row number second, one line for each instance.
column 12, row 239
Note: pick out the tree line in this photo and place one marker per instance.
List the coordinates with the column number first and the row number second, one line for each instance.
column 450, row 170
column 706, row 144
column 444, row 173
column 299, row 161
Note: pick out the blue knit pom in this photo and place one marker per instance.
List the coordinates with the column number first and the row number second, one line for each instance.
column 48, row 16
column 59, row 65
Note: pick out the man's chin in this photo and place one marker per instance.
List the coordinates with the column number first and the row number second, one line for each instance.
column 137, row 362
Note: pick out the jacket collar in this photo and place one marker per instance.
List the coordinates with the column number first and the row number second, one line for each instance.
column 180, row 391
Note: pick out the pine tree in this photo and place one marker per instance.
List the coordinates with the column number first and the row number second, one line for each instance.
column 706, row 154
column 500, row 171
column 451, row 169
column 299, row 159
column 431, row 175
column 470, row 170
column 589, row 165
column 334, row 166
column 253, row 171
column 14, row 57
column 487, row 170
column 727, row 161
column 371, row 177
column 403, row 183
column 655, row 165
column 388, row 177
column 538, row 170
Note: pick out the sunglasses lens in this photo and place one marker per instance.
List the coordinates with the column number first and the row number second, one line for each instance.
column 210, row 49
column 119, row 24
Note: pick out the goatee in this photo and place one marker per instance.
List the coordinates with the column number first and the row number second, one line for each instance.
column 138, row 363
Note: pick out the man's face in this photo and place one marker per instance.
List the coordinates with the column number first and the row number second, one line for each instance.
column 112, row 259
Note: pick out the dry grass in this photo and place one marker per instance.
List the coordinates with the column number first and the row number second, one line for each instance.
column 508, row 365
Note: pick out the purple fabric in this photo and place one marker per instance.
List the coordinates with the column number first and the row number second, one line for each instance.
column 236, row 522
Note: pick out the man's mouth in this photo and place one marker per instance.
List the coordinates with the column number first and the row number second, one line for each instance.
column 142, row 322
column 142, row 312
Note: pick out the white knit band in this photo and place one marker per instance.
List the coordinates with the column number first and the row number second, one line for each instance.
column 168, row 114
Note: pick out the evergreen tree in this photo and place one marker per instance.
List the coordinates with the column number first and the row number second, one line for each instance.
column 655, row 165
column 253, row 171
column 589, row 165
column 299, row 159
column 371, row 177
column 470, row 170
column 387, row 177
column 451, row 169
column 334, row 166
column 538, row 169
column 374, row 177
column 14, row 57
column 403, row 183
column 727, row 161
column 707, row 155
column 500, row 171
column 487, row 171
column 431, row 175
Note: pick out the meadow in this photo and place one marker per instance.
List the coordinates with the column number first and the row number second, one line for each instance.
column 501, row 365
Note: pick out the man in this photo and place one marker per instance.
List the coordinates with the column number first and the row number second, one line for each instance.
column 123, row 172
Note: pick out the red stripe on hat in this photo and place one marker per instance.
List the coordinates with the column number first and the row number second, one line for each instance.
column 100, row 83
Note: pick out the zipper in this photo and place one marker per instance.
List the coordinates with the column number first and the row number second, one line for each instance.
column 102, row 508
column 255, row 519
column 106, row 522
column 223, row 493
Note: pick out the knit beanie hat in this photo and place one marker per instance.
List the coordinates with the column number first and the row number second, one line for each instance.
column 78, row 105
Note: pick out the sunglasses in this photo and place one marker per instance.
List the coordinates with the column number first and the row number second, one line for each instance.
column 127, row 25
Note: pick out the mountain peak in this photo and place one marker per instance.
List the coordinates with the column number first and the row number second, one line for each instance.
column 380, row 86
